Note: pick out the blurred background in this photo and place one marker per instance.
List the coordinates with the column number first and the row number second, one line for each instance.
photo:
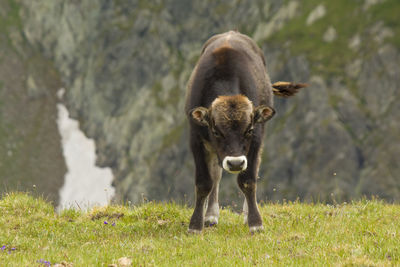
column 124, row 65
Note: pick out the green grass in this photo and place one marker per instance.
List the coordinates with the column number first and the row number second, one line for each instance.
column 365, row 233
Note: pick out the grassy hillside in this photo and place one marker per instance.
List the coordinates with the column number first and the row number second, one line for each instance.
column 365, row 233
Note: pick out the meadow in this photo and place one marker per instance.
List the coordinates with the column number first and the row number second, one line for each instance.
column 361, row 233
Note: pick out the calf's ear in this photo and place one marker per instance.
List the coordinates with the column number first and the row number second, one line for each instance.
column 200, row 115
column 263, row 113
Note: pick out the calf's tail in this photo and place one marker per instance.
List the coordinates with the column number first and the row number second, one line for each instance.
column 287, row 89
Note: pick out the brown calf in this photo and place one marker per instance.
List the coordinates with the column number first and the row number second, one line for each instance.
column 229, row 99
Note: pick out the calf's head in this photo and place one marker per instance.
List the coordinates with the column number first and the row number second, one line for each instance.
column 231, row 121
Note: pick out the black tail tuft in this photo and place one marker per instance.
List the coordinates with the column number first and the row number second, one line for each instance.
column 287, row 89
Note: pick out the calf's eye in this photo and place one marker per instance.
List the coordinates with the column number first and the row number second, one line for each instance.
column 216, row 133
column 249, row 132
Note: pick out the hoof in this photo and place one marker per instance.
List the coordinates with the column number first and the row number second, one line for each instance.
column 194, row 231
column 256, row 229
column 211, row 221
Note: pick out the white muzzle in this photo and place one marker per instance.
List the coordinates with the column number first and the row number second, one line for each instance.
column 235, row 164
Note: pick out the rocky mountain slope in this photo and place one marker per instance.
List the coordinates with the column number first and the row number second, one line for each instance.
column 125, row 65
column 30, row 149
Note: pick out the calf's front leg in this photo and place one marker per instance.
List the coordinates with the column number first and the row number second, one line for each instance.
column 249, row 187
column 204, row 185
column 212, row 213
column 247, row 182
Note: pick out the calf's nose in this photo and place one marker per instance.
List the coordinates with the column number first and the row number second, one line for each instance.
column 235, row 164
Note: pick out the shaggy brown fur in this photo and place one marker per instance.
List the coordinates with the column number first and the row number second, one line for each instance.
column 229, row 109
column 221, row 53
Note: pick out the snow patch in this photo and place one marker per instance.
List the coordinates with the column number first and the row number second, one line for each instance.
column 85, row 184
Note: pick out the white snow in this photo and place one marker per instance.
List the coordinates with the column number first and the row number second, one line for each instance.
column 85, row 185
